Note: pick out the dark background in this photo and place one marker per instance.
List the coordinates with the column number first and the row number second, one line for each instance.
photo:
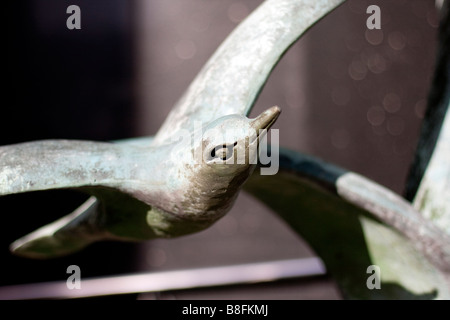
column 64, row 84
column 349, row 95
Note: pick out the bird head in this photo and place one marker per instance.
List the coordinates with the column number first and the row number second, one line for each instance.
column 223, row 157
column 230, row 143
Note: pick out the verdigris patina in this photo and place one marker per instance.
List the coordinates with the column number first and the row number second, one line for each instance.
column 145, row 192
column 227, row 86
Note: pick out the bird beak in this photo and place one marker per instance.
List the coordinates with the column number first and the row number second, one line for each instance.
column 265, row 119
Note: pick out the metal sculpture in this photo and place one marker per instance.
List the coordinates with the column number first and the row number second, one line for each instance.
column 151, row 187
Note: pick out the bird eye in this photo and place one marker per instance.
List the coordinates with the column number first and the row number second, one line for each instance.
column 223, row 151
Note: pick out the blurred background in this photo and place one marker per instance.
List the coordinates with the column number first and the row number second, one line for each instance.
column 352, row 96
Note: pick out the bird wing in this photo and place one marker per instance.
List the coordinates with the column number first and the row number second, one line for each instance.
column 231, row 80
column 99, row 169
column 108, row 215
column 56, row 164
column 353, row 223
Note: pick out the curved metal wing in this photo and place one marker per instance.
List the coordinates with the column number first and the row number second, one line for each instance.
column 353, row 223
column 428, row 184
column 231, row 80
column 56, row 164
